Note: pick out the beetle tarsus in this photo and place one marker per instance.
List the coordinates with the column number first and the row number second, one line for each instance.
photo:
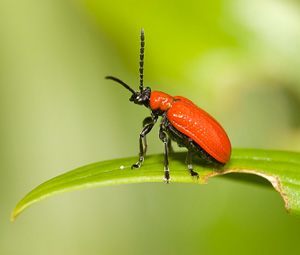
column 194, row 174
column 190, row 165
column 167, row 176
column 138, row 164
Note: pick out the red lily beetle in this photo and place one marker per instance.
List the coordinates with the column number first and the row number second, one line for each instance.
column 182, row 121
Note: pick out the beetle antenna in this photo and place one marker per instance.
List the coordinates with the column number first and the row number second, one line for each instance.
column 120, row 82
column 142, row 50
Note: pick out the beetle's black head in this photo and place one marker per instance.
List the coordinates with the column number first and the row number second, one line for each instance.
column 141, row 97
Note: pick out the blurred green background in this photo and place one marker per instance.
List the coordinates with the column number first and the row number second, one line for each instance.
column 238, row 59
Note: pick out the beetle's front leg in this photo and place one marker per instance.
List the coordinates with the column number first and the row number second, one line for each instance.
column 148, row 124
column 146, row 121
column 164, row 138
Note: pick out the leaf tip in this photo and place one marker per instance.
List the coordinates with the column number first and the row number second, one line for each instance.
column 14, row 215
column 16, row 212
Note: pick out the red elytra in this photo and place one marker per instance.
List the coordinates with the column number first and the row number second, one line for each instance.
column 182, row 121
column 195, row 123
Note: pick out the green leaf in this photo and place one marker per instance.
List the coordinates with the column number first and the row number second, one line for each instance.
column 280, row 168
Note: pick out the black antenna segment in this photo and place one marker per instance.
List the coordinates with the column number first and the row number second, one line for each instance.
column 142, row 50
column 126, row 86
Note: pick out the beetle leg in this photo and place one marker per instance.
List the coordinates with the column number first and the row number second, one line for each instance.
column 189, row 161
column 170, row 147
column 148, row 124
column 146, row 121
column 164, row 138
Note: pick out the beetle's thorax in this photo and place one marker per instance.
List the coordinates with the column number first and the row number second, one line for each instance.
column 160, row 101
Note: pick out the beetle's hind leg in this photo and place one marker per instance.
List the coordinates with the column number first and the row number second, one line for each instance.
column 189, row 162
column 148, row 124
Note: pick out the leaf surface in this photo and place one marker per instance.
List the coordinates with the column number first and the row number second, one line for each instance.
column 280, row 168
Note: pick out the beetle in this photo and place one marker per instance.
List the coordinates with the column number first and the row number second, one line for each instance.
column 181, row 121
